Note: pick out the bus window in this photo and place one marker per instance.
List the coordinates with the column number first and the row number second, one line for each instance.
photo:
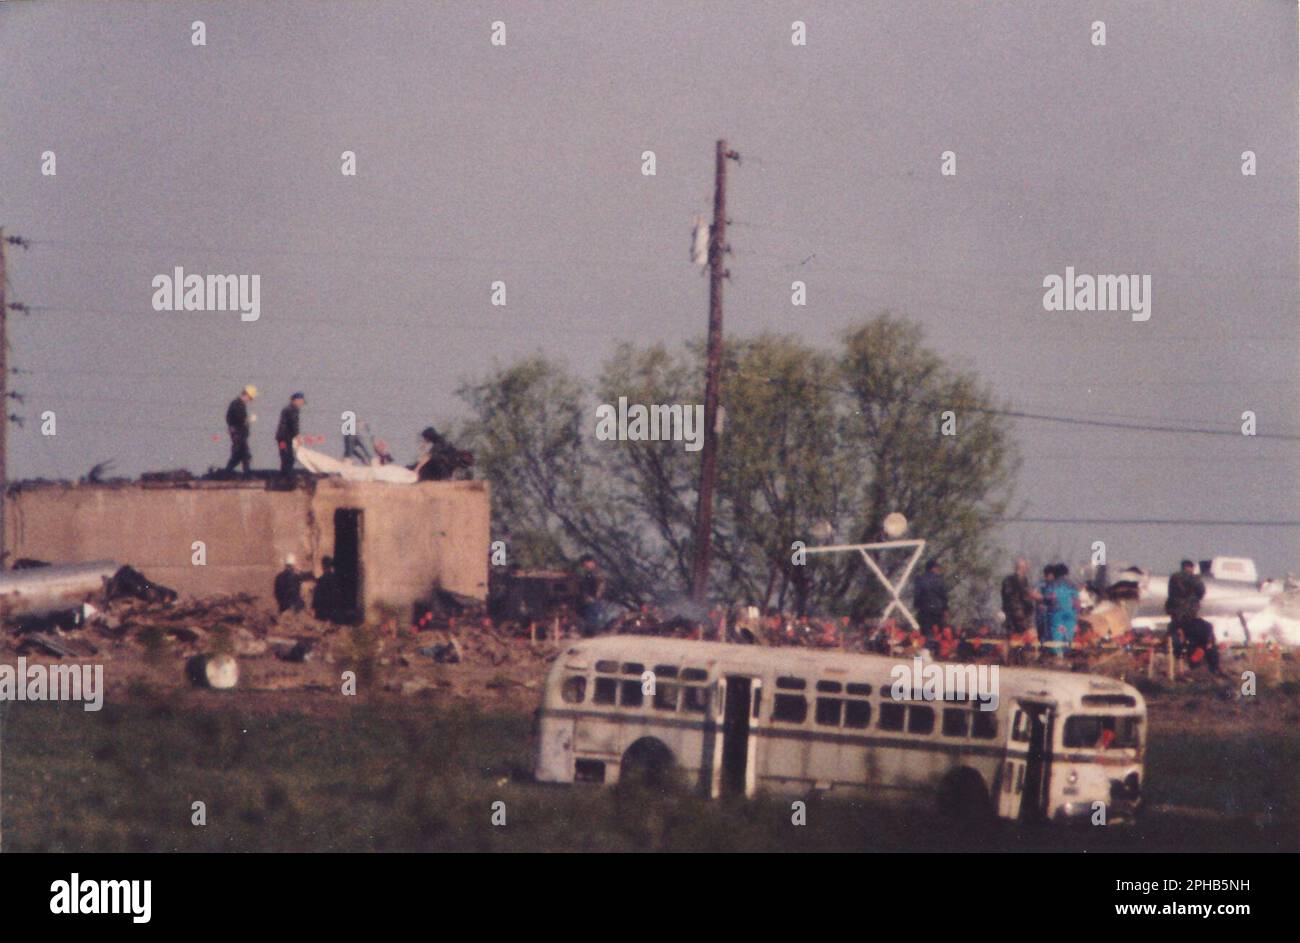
column 1129, row 731
column 694, row 674
column 791, row 684
column 828, row 710
column 607, row 667
column 1021, row 727
column 633, row 668
column 789, row 708
column 694, row 698
column 1108, row 700
column 984, row 725
column 891, row 716
column 632, row 695
column 666, row 696
column 1101, row 732
column 574, row 689
column 955, row 722
column 920, row 719
column 857, row 713
column 829, row 687
column 861, row 690
column 606, row 691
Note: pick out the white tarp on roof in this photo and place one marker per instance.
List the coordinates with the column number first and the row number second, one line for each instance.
column 349, row 469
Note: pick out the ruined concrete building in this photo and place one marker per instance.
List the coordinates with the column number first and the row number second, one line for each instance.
column 392, row 544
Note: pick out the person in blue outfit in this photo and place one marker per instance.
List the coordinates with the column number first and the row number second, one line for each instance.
column 1066, row 611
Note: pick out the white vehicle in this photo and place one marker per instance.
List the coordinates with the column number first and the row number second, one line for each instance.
column 739, row 719
column 1242, row 608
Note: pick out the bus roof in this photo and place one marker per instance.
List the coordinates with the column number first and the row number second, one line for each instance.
column 1066, row 688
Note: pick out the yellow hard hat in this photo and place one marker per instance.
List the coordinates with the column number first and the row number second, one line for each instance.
column 250, row 391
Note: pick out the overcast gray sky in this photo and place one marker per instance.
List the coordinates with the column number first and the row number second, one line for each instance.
column 523, row 163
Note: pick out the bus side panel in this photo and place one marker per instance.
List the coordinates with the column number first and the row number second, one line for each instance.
column 555, row 750
column 824, row 762
column 599, row 738
column 786, row 761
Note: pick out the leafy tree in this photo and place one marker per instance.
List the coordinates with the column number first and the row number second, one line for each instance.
column 951, row 488
column 811, row 443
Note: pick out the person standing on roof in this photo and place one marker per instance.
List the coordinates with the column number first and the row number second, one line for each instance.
column 437, row 457
column 237, row 420
column 287, row 431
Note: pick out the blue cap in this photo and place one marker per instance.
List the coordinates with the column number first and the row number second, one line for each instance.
column 297, row 396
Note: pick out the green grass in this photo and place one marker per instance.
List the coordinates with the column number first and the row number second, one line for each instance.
column 403, row 775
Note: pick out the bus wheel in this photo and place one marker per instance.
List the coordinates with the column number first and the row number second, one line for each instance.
column 647, row 762
column 964, row 800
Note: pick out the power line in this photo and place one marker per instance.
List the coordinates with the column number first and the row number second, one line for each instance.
column 1044, row 417
column 621, row 265
column 1148, row 457
column 1144, row 521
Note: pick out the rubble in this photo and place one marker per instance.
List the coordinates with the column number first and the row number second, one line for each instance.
column 44, row 644
column 447, row 653
column 238, row 641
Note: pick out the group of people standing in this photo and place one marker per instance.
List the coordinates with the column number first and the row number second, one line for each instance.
column 1048, row 610
column 438, row 460
column 329, row 598
column 239, row 423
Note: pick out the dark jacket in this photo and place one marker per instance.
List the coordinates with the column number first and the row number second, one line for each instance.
column 1017, row 604
column 288, row 589
column 327, row 597
column 1186, row 590
column 931, row 594
column 442, row 460
column 237, row 415
column 287, row 430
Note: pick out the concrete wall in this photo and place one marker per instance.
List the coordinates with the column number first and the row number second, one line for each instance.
column 413, row 536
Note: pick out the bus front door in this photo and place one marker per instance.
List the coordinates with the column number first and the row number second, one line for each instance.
column 1038, row 761
column 1011, row 781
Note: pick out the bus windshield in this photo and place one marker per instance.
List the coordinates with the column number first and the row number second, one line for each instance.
column 1097, row 732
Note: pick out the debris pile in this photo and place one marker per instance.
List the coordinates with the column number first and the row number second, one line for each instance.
column 228, row 641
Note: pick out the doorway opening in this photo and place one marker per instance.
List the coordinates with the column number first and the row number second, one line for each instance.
column 347, row 563
column 1038, row 762
column 735, row 735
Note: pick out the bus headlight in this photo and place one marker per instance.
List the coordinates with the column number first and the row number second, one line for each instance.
column 1073, row 777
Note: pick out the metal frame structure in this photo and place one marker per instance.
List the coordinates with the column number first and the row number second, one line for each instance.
column 916, row 546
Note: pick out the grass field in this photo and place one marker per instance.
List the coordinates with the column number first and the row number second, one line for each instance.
column 278, row 773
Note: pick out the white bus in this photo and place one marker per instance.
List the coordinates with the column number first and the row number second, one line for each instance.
column 739, row 719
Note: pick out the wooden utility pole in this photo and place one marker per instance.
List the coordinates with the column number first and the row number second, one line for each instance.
column 4, row 396
column 4, row 477
column 712, row 379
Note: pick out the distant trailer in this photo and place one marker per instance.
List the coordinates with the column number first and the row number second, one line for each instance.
column 742, row 719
